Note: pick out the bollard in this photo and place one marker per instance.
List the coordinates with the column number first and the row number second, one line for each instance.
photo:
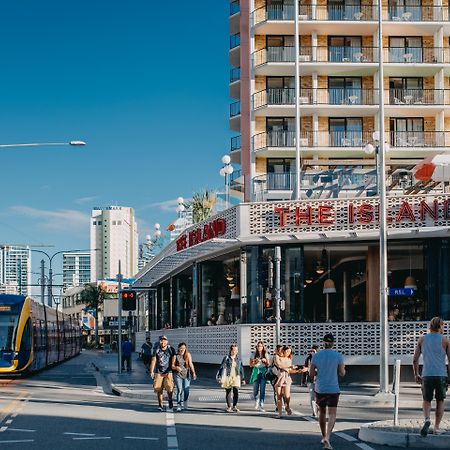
column 396, row 389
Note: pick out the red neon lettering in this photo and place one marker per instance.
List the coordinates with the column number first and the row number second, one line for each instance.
column 325, row 215
column 221, row 226
column 405, row 212
column 207, row 232
column 305, row 215
column 366, row 214
column 192, row 236
column 181, row 243
column 283, row 214
column 426, row 209
column 446, row 210
column 351, row 213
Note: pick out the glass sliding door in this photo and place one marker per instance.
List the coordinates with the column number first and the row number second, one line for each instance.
column 405, row 49
column 280, row 131
column 344, row 9
column 406, row 90
column 344, row 49
column 344, row 90
column 407, row 132
column 405, row 10
column 345, row 132
column 280, row 173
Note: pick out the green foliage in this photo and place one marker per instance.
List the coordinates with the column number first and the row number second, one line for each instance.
column 92, row 296
column 203, row 204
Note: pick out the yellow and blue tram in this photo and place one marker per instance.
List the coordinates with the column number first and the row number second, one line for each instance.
column 34, row 336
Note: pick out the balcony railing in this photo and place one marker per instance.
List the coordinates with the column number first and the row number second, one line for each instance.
column 235, row 143
column 317, row 54
column 421, row 139
column 235, row 74
column 235, row 40
column 235, row 109
column 417, row 13
column 286, row 138
column 411, row 55
column 321, row 96
column 235, row 7
column 417, row 96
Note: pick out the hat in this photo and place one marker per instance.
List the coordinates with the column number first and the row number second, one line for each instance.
column 163, row 337
column 328, row 338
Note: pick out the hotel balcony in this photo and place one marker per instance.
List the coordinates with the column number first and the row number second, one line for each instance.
column 235, row 16
column 411, row 102
column 235, row 116
column 235, row 42
column 235, row 82
column 279, row 102
column 324, row 60
column 347, row 143
column 235, row 149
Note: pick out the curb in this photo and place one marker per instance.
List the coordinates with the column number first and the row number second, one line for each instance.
column 370, row 433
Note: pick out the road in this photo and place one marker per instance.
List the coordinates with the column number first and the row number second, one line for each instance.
column 70, row 406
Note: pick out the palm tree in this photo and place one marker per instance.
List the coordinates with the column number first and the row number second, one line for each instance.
column 92, row 297
column 203, row 204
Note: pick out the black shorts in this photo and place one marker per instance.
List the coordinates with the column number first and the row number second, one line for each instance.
column 434, row 387
column 323, row 400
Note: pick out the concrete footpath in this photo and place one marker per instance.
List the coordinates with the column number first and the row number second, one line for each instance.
column 138, row 384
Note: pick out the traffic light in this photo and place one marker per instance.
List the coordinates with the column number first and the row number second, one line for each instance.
column 268, row 303
column 128, row 300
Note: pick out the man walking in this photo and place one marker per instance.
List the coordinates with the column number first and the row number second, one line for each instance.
column 146, row 352
column 325, row 367
column 434, row 347
column 161, row 371
column 127, row 349
column 309, row 383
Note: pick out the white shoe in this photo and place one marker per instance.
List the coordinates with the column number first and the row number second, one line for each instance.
column 261, row 407
column 179, row 409
column 257, row 404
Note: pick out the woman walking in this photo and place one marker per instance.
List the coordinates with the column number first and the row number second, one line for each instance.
column 184, row 371
column 283, row 362
column 259, row 367
column 231, row 377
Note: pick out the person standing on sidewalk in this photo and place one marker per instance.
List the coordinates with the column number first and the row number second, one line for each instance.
column 259, row 367
column 161, row 371
column 231, row 377
column 146, row 352
column 184, row 371
column 325, row 367
column 127, row 349
column 309, row 382
column 434, row 347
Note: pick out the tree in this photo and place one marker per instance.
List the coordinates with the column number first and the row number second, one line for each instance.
column 92, row 297
column 203, row 204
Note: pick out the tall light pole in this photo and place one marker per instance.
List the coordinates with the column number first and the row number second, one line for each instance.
column 298, row 164
column 225, row 171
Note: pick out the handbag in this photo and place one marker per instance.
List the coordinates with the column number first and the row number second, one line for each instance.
column 271, row 373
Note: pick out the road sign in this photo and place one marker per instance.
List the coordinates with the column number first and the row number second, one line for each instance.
column 401, row 292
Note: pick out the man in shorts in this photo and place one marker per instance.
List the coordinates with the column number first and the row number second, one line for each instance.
column 161, row 371
column 325, row 367
column 434, row 347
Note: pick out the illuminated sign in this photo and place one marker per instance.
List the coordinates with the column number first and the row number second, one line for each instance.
column 201, row 234
column 5, row 308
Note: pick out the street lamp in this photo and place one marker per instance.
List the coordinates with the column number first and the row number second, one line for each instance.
column 225, row 171
column 45, row 144
column 151, row 242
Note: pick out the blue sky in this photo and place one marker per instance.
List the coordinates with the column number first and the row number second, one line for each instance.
column 144, row 83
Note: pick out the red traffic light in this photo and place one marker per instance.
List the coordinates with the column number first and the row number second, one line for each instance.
column 268, row 304
column 128, row 300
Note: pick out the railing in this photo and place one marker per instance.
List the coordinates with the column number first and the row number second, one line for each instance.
column 286, row 138
column 321, row 96
column 234, row 177
column 235, row 74
column 408, row 55
column 235, row 7
column 276, row 181
column 235, row 109
column 422, row 139
column 235, row 143
column 417, row 96
column 417, row 13
column 235, row 40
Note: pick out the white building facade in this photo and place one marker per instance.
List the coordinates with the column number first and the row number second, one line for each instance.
column 114, row 238
column 15, row 269
column 76, row 269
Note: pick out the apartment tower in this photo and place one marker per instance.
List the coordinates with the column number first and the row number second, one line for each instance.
column 76, row 269
column 15, row 270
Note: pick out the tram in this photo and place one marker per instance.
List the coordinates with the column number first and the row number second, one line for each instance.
column 34, row 336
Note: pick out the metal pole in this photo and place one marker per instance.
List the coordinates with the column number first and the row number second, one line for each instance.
column 227, row 190
column 384, row 330
column 277, row 289
column 50, row 287
column 119, row 317
column 297, row 104
column 43, row 282
column 396, row 390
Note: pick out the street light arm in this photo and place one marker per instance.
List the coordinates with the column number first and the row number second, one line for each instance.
column 44, row 144
column 41, row 251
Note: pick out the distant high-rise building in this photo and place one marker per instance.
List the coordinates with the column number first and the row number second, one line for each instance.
column 15, row 269
column 114, row 234
column 76, row 268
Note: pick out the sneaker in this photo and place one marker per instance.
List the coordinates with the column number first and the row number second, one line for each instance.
column 179, row 408
column 236, row 409
column 160, row 408
column 257, row 404
column 229, row 409
column 425, row 428
column 261, row 407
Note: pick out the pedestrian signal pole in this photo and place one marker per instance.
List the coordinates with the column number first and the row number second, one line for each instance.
column 277, row 289
column 119, row 317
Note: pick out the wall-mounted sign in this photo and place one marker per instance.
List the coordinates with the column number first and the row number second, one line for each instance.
column 401, row 292
column 209, row 230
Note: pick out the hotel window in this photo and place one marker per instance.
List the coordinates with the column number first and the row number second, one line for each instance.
column 407, row 132
column 344, row 49
column 280, row 173
column 405, row 49
column 280, row 90
column 344, row 9
column 280, row 9
column 345, row 132
column 280, row 131
column 344, row 90
column 405, row 90
column 405, row 10
column 280, row 48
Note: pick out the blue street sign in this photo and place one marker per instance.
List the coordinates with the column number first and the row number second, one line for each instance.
column 400, row 292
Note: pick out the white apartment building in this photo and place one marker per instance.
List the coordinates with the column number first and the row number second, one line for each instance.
column 15, row 269
column 76, row 269
column 114, row 238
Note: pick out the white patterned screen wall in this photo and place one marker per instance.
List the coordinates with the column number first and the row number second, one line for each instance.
column 357, row 341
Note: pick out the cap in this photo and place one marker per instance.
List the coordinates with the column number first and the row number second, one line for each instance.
column 328, row 338
column 163, row 337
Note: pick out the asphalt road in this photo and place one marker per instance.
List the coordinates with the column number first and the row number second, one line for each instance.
column 70, row 407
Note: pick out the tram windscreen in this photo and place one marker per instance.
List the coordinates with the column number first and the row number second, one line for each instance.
column 8, row 325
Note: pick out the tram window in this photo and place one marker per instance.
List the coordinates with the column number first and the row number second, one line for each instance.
column 26, row 337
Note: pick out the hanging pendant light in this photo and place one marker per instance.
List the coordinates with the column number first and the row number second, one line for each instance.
column 309, row 279
column 410, row 282
column 329, row 286
column 320, row 269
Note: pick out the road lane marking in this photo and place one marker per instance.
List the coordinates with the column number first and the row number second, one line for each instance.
column 143, row 438
column 364, row 446
column 346, row 436
column 16, row 441
column 80, row 434
column 21, row 430
column 171, row 431
column 172, row 440
column 2, row 429
column 90, row 438
column 216, row 398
